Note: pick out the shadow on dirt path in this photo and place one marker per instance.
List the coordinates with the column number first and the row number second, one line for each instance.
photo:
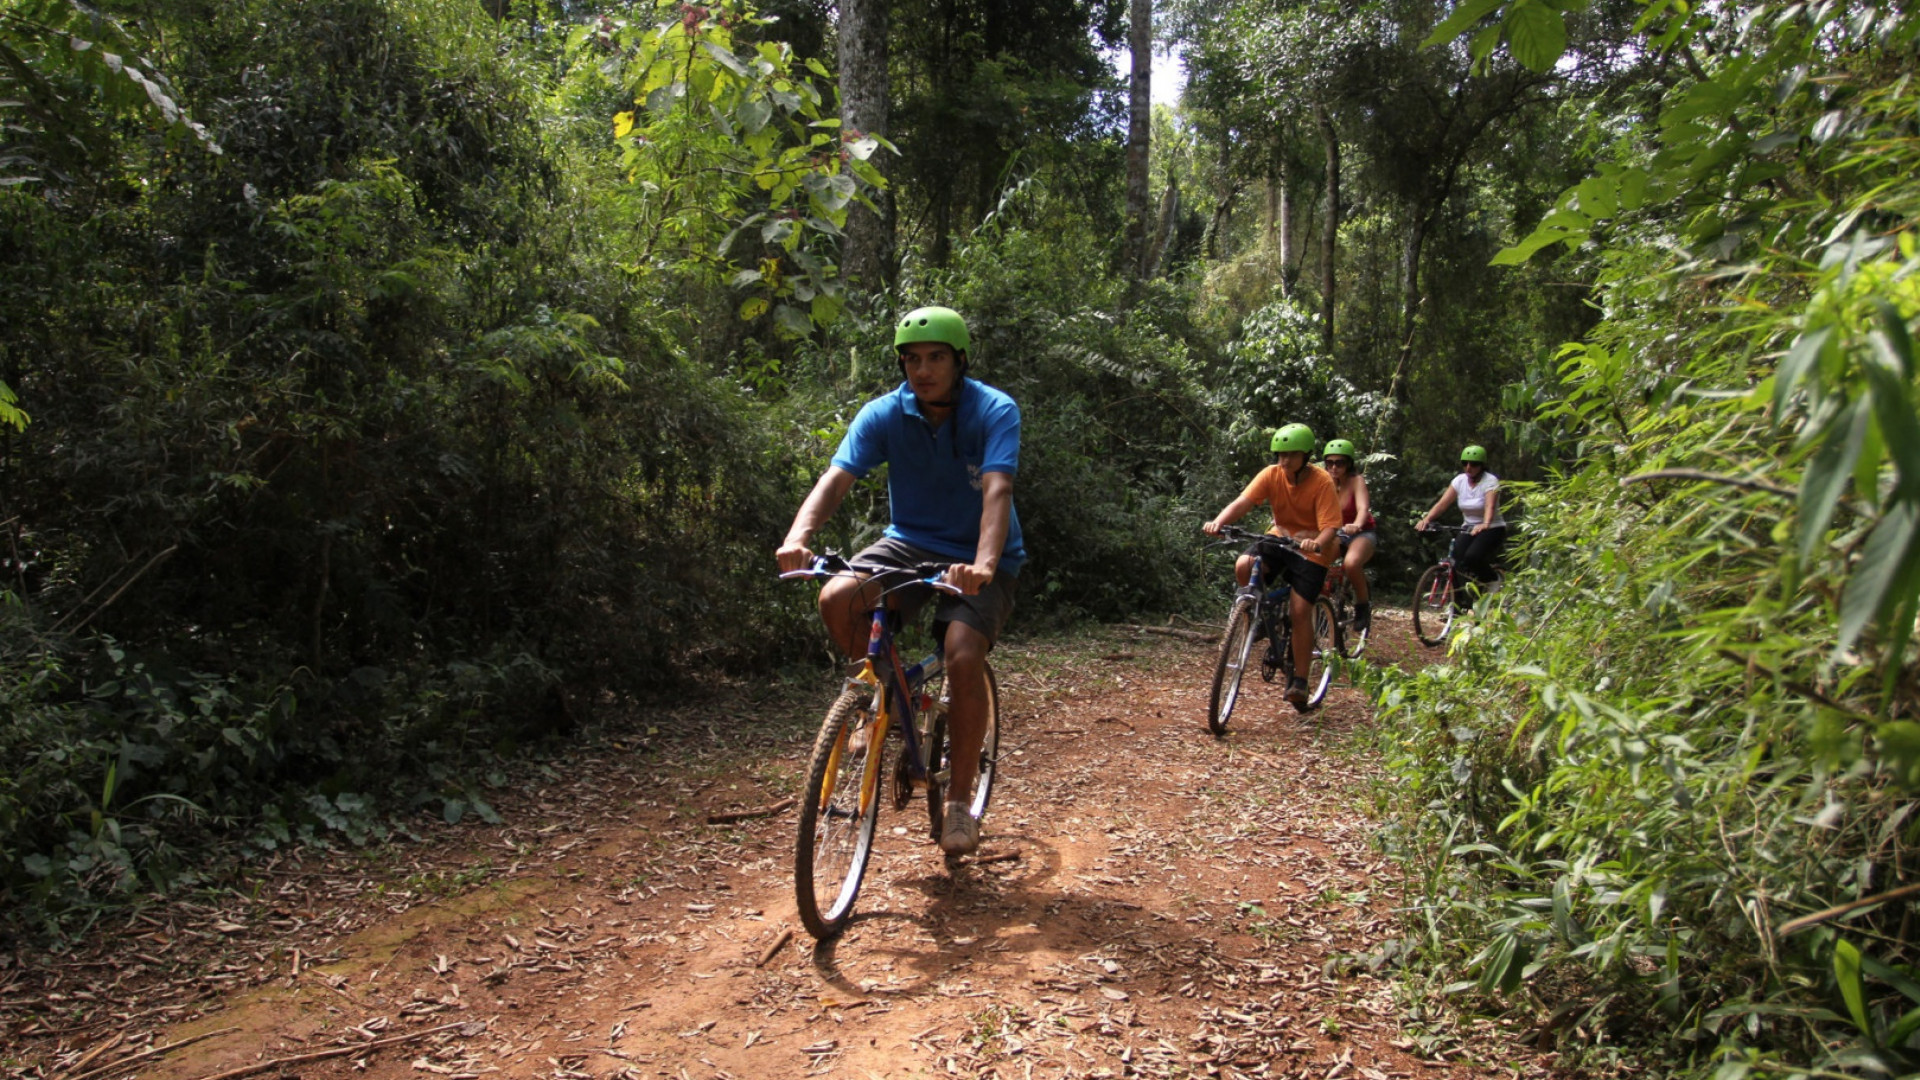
column 1148, row 901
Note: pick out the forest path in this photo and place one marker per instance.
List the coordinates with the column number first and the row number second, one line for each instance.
column 1148, row 901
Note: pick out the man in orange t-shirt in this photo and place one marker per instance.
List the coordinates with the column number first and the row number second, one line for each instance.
column 1306, row 508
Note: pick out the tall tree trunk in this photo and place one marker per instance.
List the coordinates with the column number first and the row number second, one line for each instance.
column 1163, row 232
column 1223, row 202
column 1410, row 301
column 1139, row 132
column 1330, row 235
column 1289, row 256
column 868, row 258
column 1221, row 210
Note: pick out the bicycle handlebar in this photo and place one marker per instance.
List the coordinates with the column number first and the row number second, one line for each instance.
column 830, row 565
column 1234, row 534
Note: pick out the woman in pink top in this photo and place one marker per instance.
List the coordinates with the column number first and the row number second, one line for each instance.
column 1356, row 525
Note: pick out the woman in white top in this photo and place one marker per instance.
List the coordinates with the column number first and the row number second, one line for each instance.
column 1478, row 493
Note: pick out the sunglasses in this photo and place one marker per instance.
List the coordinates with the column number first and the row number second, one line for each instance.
column 1472, row 465
column 1342, row 462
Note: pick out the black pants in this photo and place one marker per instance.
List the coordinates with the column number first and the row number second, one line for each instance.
column 1475, row 555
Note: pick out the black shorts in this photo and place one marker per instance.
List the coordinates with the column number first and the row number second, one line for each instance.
column 1365, row 534
column 985, row 611
column 1301, row 574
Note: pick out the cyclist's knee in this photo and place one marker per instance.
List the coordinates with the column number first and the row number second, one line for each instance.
column 966, row 648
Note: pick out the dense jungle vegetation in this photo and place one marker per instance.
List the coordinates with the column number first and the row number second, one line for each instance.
column 386, row 386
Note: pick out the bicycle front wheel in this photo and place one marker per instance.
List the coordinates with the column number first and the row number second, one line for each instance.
column 1433, row 605
column 1235, row 645
column 838, row 814
column 940, row 752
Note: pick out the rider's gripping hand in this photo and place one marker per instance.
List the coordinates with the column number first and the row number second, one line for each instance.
column 969, row 578
column 1211, row 528
column 793, row 555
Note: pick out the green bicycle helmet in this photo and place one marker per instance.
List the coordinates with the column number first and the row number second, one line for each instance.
column 1474, row 453
column 1342, row 447
column 939, row 324
column 1293, row 437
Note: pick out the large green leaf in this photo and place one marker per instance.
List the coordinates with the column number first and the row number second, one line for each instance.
column 1882, row 577
column 1846, row 971
column 1830, row 471
column 1537, row 34
column 1799, row 361
column 1457, row 23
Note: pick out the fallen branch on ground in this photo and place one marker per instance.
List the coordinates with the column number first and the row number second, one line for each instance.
column 149, row 1053
column 337, row 1051
column 767, row 954
column 1174, row 631
column 748, row 815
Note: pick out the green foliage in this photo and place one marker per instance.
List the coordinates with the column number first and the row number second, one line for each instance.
column 369, row 421
column 68, row 75
column 1688, row 720
column 1275, row 373
column 729, row 153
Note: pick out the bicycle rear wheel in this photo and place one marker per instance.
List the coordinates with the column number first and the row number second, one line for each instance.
column 1326, row 651
column 837, row 816
column 941, row 753
column 1235, row 645
column 1350, row 640
column 1433, row 605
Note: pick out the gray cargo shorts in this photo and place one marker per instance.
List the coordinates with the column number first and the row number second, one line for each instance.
column 985, row 611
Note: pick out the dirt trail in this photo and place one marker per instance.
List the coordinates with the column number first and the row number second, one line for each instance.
column 1148, row 901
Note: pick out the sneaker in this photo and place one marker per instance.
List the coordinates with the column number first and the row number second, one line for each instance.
column 1362, row 616
column 1297, row 693
column 962, row 833
column 862, row 732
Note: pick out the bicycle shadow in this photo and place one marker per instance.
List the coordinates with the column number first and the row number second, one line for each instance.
column 1041, row 921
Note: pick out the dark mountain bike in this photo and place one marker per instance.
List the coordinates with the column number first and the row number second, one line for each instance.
column 841, row 806
column 1260, row 611
column 1441, row 595
column 1339, row 593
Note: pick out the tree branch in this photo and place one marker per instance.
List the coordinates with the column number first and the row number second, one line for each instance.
column 1712, row 478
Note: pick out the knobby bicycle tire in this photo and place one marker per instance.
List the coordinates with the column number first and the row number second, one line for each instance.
column 1326, row 651
column 1235, row 645
column 1433, row 605
column 1350, row 642
column 942, row 768
column 837, row 817
column 1320, row 655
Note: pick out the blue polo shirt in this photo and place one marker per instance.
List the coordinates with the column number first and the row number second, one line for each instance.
column 934, row 474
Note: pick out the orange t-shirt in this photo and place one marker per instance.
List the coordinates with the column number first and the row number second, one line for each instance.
column 1310, row 506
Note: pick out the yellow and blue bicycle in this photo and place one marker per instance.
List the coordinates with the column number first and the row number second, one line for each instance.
column 841, row 808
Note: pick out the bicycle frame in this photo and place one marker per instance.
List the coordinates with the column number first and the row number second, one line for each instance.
column 894, row 687
column 1278, row 630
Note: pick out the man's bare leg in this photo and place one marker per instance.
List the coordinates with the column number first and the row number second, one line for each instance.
column 844, row 607
column 968, row 702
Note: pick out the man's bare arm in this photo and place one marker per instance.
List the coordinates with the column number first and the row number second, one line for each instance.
column 820, row 504
column 996, row 518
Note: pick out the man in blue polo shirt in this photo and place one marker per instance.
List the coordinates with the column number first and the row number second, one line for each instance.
column 951, row 445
